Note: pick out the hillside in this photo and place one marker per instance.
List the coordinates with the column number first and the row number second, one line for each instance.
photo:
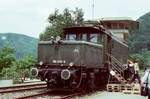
column 23, row 44
column 140, row 41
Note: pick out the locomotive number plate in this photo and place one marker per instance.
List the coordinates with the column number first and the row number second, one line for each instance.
column 59, row 61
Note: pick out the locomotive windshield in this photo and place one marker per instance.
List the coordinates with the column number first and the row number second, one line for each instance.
column 89, row 34
column 92, row 37
column 71, row 37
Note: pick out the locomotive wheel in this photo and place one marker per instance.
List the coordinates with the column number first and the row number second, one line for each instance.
column 89, row 84
column 84, row 85
column 95, row 82
column 92, row 85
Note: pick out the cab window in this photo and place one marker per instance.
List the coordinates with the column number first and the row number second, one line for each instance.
column 84, row 37
column 93, row 38
column 71, row 37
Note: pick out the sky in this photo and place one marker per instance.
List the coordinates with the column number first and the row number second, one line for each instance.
column 29, row 17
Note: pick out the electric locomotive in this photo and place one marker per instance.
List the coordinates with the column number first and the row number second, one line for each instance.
column 81, row 59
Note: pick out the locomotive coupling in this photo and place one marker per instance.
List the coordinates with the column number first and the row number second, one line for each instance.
column 65, row 74
column 34, row 72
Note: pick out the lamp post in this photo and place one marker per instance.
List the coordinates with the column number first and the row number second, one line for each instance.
column 93, row 10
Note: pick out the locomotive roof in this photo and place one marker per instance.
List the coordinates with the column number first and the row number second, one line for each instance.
column 91, row 29
column 72, row 42
column 84, row 29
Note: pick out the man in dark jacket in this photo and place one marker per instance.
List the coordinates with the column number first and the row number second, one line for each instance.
column 145, row 81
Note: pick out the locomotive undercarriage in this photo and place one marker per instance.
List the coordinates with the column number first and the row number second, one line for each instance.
column 73, row 78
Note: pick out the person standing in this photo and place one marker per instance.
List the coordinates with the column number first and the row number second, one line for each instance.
column 136, row 69
column 145, row 83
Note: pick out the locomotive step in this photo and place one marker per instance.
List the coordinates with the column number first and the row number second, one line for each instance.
column 134, row 87
column 125, row 88
column 131, row 92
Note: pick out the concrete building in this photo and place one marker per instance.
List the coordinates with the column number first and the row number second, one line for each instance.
column 118, row 26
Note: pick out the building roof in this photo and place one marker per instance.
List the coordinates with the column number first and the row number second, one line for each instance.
column 111, row 19
column 113, row 22
column 115, row 18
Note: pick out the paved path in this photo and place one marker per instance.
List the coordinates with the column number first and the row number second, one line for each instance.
column 112, row 95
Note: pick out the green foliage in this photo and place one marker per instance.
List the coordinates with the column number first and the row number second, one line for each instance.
column 139, row 41
column 22, row 44
column 145, row 23
column 17, row 56
column 143, row 59
column 139, row 58
column 58, row 21
column 6, row 57
column 146, row 56
column 23, row 66
column 20, row 69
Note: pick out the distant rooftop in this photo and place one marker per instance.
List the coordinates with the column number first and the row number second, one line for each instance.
column 116, row 18
column 115, row 23
column 112, row 18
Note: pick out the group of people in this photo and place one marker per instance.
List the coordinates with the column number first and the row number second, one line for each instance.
column 132, row 72
column 136, row 70
column 133, row 69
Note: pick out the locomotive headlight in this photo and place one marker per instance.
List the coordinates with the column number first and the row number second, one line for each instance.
column 52, row 38
column 34, row 72
column 65, row 74
column 71, row 64
column 41, row 62
column 58, row 38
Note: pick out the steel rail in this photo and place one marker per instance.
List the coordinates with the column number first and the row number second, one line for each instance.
column 22, row 85
column 71, row 95
column 22, row 88
column 33, row 96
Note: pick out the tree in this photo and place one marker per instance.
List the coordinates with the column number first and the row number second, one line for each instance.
column 146, row 56
column 6, row 57
column 139, row 58
column 58, row 21
column 24, row 65
column 79, row 16
column 20, row 69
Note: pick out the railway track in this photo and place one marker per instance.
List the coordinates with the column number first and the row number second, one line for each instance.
column 34, row 96
column 22, row 87
column 33, row 91
column 70, row 96
column 51, row 95
column 21, row 90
